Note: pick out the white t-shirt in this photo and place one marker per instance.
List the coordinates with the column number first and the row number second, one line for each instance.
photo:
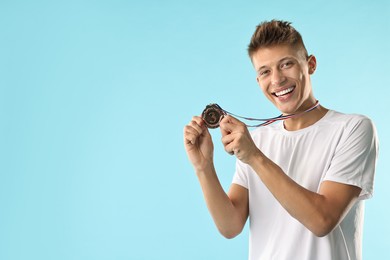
column 340, row 148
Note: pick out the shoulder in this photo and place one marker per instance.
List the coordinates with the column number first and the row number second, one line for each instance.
column 352, row 129
column 336, row 115
column 350, row 122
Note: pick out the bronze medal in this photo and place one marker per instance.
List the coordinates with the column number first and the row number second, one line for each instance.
column 212, row 115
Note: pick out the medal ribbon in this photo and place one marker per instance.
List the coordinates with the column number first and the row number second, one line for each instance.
column 267, row 121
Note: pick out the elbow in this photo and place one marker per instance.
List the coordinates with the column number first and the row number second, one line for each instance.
column 323, row 227
column 321, row 232
column 229, row 233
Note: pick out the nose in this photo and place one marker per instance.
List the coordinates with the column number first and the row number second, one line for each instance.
column 277, row 77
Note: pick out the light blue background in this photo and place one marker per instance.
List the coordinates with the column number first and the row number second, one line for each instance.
column 94, row 97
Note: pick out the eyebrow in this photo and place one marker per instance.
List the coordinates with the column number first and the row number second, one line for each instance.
column 280, row 61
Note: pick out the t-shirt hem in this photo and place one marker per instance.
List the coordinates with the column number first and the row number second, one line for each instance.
column 238, row 182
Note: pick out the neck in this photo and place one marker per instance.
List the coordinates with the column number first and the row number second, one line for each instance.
column 306, row 119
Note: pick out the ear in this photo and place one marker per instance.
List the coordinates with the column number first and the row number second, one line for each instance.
column 312, row 63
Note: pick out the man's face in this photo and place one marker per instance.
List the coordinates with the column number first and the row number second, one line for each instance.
column 283, row 75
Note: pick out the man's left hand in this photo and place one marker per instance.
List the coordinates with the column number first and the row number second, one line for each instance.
column 237, row 140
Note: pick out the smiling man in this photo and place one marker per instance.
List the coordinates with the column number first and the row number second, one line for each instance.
column 302, row 182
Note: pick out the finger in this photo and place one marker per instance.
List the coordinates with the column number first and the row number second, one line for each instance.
column 190, row 134
column 202, row 129
column 223, row 126
column 230, row 143
column 227, row 139
column 229, row 148
column 198, row 120
column 190, row 139
column 231, row 124
column 196, row 126
column 193, row 127
column 234, row 120
column 226, row 125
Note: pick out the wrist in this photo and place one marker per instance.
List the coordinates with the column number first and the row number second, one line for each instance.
column 206, row 168
column 257, row 158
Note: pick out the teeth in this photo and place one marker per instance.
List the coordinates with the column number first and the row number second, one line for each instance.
column 284, row 92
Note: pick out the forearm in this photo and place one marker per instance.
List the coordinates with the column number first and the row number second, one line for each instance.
column 224, row 213
column 312, row 209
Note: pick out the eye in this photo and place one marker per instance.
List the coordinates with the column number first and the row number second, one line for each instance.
column 286, row 65
column 264, row 73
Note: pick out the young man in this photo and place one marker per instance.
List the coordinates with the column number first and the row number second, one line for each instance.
column 301, row 181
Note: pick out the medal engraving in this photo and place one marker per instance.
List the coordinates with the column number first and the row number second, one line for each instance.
column 212, row 115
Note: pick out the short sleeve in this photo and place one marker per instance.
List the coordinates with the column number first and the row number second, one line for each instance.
column 354, row 161
column 241, row 175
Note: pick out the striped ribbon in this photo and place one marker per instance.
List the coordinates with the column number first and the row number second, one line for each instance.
column 267, row 121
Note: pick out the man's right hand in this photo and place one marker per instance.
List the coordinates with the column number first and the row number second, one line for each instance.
column 229, row 211
column 198, row 144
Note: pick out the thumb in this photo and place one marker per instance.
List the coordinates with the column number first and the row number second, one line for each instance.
column 229, row 124
column 233, row 120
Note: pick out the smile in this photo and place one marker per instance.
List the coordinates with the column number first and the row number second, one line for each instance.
column 284, row 92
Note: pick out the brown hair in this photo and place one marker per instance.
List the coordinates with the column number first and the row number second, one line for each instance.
column 275, row 32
